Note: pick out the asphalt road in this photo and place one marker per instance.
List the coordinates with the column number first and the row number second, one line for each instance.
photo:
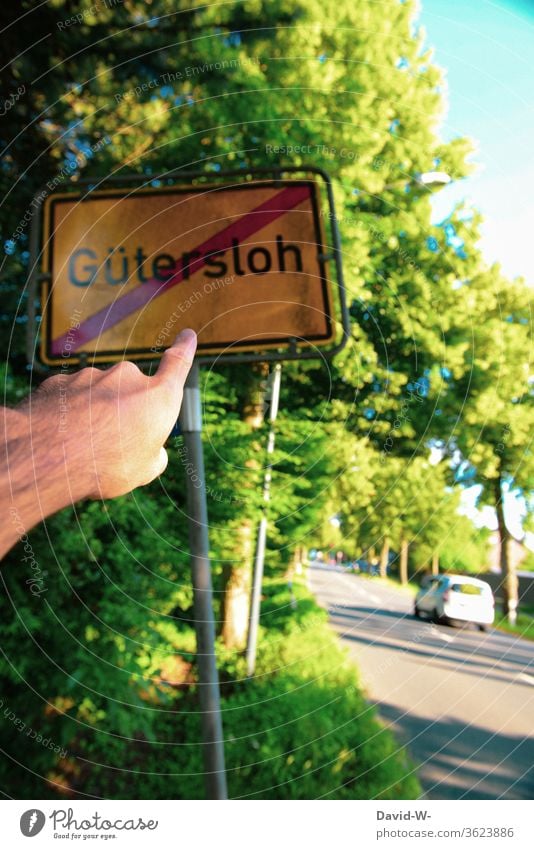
column 461, row 701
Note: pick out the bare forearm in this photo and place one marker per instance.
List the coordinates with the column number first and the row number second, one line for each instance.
column 35, row 480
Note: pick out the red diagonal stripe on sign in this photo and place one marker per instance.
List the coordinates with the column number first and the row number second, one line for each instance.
column 139, row 297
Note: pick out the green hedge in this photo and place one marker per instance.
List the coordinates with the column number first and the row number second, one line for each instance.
column 300, row 729
column 303, row 728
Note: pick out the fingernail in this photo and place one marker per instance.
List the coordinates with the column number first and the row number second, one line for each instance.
column 188, row 340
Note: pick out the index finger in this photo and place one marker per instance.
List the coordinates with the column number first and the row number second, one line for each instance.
column 178, row 359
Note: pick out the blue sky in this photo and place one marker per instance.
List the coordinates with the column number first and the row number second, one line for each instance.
column 487, row 48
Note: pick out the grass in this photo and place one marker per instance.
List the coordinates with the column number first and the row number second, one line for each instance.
column 300, row 729
column 303, row 727
column 524, row 627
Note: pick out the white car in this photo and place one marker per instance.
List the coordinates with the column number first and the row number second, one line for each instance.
column 456, row 598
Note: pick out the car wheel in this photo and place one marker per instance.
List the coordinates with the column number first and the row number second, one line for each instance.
column 437, row 619
column 416, row 612
column 483, row 628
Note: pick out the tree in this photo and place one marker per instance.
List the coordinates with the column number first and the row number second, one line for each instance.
column 412, row 498
column 465, row 548
column 398, row 504
column 494, row 412
column 253, row 103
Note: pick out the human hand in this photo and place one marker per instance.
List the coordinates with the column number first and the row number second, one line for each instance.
column 94, row 434
column 119, row 419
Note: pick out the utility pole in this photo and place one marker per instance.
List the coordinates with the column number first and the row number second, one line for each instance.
column 257, row 577
column 190, row 422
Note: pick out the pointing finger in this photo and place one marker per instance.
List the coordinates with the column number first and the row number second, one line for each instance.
column 177, row 360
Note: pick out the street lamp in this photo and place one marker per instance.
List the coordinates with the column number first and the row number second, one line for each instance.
column 434, row 178
column 429, row 179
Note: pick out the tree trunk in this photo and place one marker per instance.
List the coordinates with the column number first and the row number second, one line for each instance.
column 435, row 563
column 238, row 574
column 236, row 593
column 384, row 558
column 510, row 584
column 403, row 562
column 298, row 559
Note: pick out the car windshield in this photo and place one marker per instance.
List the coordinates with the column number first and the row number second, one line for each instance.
column 467, row 589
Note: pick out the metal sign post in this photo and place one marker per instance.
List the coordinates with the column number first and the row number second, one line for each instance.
column 209, row 697
column 257, row 577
